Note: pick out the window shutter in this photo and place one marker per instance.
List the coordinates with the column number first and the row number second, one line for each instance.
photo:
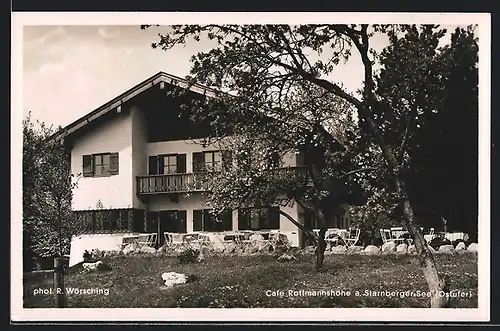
column 243, row 219
column 273, row 218
column 181, row 163
column 88, row 169
column 197, row 162
column 197, row 220
column 114, row 164
column 153, row 165
column 227, row 160
column 227, row 220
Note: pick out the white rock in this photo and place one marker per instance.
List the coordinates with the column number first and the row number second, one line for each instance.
column 412, row 249
column 371, row 250
column 474, row 247
column 338, row 249
column 147, row 250
column 402, row 249
column 91, row 267
column 461, row 246
column 446, row 248
column 173, row 278
column 286, row 257
column 389, row 247
column 354, row 249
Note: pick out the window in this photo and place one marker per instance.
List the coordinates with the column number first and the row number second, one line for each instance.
column 167, row 164
column 204, row 220
column 258, row 218
column 211, row 160
column 170, row 164
column 100, row 165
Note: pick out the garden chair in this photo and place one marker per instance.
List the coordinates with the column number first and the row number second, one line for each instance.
column 336, row 237
column 147, row 239
column 352, row 237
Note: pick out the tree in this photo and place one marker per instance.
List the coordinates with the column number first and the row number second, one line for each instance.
column 47, row 192
column 298, row 120
column 254, row 61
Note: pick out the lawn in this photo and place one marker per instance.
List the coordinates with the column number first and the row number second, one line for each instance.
column 260, row 281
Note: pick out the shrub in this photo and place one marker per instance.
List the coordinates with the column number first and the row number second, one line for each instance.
column 189, row 255
column 92, row 256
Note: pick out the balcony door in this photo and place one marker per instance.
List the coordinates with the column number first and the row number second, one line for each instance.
column 166, row 164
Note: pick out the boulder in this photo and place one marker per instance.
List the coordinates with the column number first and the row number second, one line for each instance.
column 431, row 249
column 286, row 257
column 96, row 266
column 388, row 247
column 402, row 249
column 308, row 250
column 446, row 248
column 460, row 246
column 147, row 250
column 338, row 249
column 130, row 248
column 354, row 249
column 256, row 237
column 474, row 247
column 173, row 278
column 412, row 249
column 371, row 250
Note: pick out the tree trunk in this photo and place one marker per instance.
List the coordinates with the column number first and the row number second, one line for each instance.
column 437, row 285
column 434, row 281
column 320, row 250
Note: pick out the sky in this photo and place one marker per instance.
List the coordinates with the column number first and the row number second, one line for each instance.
column 68, row 71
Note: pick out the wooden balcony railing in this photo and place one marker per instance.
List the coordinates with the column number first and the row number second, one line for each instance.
column 171, row 183
column 192, row 182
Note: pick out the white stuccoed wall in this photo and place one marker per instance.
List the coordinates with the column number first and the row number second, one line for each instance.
column 102, row 242
column 114, row 191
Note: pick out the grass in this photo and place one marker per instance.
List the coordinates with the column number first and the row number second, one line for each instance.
column 242, row 282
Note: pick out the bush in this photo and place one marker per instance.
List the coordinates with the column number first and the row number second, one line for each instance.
column 92, row 256
column 189, row 255
column 439, row 241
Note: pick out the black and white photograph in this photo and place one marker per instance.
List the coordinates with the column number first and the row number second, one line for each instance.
column 251, row 167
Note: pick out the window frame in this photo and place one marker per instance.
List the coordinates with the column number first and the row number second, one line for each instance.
column 102, row 165
column 106, row 169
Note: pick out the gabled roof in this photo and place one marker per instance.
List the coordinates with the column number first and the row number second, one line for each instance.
column 116, row 102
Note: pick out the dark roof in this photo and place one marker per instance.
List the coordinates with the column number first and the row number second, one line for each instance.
column 114, row 103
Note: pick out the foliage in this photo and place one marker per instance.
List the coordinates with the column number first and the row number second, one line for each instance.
column 275, row 114
column 432, row 112
column 266, row 67
column 188, row 255
column 47, row 191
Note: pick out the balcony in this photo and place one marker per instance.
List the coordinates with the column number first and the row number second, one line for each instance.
column 172, row 183
column 191, row 182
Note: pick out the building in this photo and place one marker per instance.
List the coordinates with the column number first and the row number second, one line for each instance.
column 138, row 160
